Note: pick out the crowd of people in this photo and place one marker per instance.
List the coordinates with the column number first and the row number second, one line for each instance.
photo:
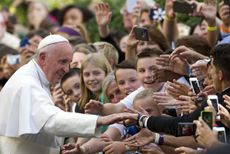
column 161, row 88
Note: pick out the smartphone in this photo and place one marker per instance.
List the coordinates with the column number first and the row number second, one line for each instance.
column 141, row 33
column 221, row 134
column 215, row 102
column 195, row 85
column 13, row 59
column 207, row 117
column 226, row 2
column 183, row 7
column 186, row 129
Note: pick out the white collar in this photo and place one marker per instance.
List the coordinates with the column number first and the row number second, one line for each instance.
column 41, row 75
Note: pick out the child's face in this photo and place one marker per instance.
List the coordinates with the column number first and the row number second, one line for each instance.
column 113, row 92
column 145, row 69
column 71, row 88
column 148, row 105
column 77, row 60
column 93, row 77
column 127, row 80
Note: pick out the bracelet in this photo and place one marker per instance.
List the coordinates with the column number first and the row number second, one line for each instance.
column 159, row 139
column 141, row 120
column 145, row 122
column 169, row 18
column 212, row 28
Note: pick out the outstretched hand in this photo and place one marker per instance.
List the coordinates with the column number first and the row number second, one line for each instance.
column 93, row 107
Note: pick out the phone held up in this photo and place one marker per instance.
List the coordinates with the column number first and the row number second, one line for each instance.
column 183, row 7
column 141, row 33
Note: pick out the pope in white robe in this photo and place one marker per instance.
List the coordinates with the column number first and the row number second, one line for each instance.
column 29, row 121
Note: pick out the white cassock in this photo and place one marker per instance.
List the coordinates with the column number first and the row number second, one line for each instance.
column 29, row 121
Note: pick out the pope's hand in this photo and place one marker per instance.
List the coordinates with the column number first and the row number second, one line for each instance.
column 113, row 118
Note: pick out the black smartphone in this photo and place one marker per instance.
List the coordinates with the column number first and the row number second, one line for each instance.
column 183, row 7
column 215, row 102
column 141, row 33
column 226, row 2
column 186, row 129
column 207, row 117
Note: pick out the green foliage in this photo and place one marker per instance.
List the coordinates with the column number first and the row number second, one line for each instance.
column 116, row 24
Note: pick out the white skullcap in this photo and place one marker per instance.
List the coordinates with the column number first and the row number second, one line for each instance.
column 51, row 39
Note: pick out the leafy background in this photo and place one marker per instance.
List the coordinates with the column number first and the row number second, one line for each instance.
column 116, row 22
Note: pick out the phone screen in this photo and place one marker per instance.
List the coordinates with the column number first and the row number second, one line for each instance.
column 215, row 104
column 196, row 87
column 222, row 136
column 207, row 117
column 141, row 33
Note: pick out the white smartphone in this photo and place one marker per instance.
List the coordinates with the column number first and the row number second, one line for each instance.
column 195, row 85
column 221, row 134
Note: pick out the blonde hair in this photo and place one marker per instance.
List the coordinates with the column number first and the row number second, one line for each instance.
column 108, row 50
column 97, row 60
column 106, row 83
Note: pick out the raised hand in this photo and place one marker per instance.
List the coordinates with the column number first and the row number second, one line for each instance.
column 58, row 97
column 199, row 69
column 142, row 138
column 93, row 107
column 185, row 53
column 227, row 101
column 209, row 10
column 175, row 89
column 176, row 64
column 103, row 14
column 224, row 115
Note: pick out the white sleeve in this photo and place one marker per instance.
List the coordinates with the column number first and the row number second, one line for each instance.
column 71, row 124
column 120, row 128
column 128, row 100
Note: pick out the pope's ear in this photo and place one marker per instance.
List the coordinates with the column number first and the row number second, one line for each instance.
column 42, row 57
